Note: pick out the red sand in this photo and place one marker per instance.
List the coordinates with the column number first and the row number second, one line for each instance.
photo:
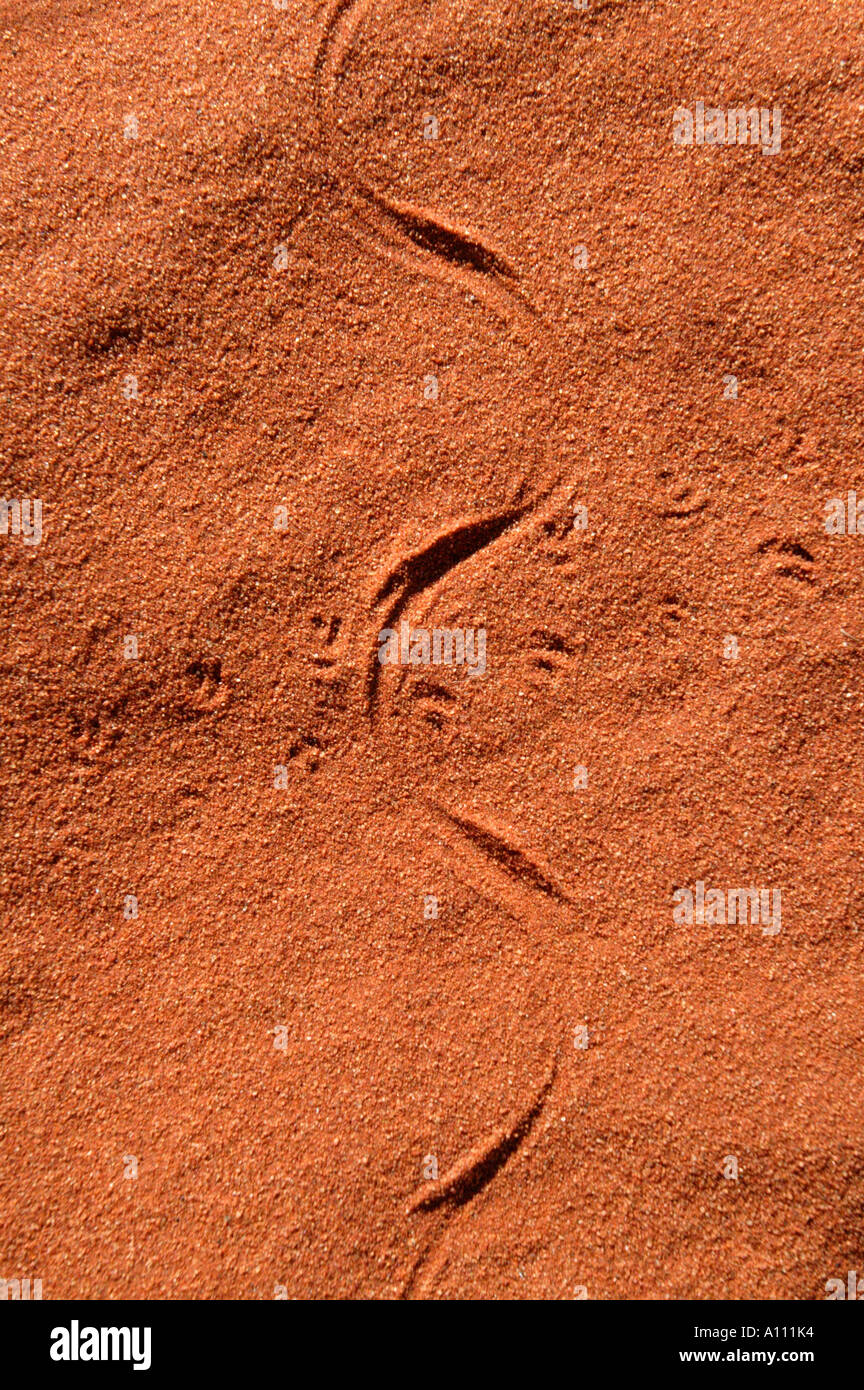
column 294, row 379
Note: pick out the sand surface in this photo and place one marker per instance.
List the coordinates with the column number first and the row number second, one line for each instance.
column 286, row 371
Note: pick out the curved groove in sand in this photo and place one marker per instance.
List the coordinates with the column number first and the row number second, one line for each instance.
column 422, row 569
column 420, row 237
column 498, row 850
column 429, row 564
column 472, row 1174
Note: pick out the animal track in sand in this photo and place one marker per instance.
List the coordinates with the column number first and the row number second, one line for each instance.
column 471, row 1175
column 420, row 238
column 488, row 859
column 421, row 570
column 497, row 849
column 792, row 560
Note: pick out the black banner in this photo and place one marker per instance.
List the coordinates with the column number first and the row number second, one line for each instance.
column 165, row 1340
